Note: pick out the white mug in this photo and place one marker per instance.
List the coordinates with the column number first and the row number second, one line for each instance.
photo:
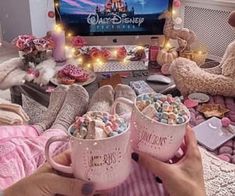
column 155, row 138
column 105, row 162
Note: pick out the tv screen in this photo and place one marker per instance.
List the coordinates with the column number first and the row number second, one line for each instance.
column 112, row 17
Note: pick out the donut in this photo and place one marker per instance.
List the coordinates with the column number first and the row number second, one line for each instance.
column 82, row 78
column 76, row 73
column 68, row 68
column 70, row 74
column 61, row 74
column 66, row 80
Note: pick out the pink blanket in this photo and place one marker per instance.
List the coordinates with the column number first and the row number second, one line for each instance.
column 22, row 152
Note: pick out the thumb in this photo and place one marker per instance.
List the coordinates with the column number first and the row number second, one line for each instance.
column 159, row 168
column 69, row 186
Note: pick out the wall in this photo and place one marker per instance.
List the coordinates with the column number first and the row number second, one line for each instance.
column 25, row 17
column 40, row 21
column 14, row 18
column 208, row 19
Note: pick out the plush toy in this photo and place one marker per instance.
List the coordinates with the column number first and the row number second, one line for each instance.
column 184, row 36
column 219, row 80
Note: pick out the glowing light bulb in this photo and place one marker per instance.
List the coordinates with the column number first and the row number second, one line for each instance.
column 115, row 53
column 66, row 47
column 69, row 34
column 88, row 65
column 173, row 12
column 57, row 4
column 200, row 52
column 139, row 47
column 125, row 60
column 168, row 45
column 80, row 60
column 58, row 28
column 73, row 50
column 98, row 60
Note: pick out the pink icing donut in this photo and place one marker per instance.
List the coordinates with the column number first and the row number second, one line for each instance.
column 76, row 73
column 67, row 69
column 83, row 77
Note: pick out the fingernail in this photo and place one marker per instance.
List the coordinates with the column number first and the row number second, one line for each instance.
column 135, row 156
column 158, row 179
column 87, row 189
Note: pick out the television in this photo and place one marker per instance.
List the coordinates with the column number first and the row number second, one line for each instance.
column 113, row 22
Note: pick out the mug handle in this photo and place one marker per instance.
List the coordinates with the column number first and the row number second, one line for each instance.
column 57, row 166
column 118, row 101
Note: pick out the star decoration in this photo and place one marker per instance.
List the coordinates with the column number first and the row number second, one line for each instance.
column 210, row 110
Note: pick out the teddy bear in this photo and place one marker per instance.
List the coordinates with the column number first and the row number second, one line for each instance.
column 184, row 36
column 219, row 80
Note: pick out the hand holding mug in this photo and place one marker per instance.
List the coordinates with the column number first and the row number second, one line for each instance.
column 184, row 177
column 45, row 181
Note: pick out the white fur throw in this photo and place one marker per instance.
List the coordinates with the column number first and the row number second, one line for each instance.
column 12, row 75
column 47, row 70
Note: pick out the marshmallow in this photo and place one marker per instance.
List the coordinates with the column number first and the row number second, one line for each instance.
column 82, row 133
column 98, row 125
column 91, row 130
column 162, row 108
column 149, row 111
column 100, row 133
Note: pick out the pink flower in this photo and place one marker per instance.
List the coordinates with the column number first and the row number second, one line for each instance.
column 24, row 43
column 40, row 44
column 20, row 44
column 106, row 54
column 26, row 38
column 27, row 50
column 50, row 43
column 121, row 53
column 95, row 53
column 78, row 42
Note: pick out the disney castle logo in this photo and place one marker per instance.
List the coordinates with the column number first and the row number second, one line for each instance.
column 115, row 12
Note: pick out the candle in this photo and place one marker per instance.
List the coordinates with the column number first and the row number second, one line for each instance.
column 58, row 36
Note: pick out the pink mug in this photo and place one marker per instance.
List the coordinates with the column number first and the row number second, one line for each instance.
column 105, row 162
column 155, row 138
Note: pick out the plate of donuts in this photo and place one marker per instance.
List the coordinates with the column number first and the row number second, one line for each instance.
column 71, row 74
